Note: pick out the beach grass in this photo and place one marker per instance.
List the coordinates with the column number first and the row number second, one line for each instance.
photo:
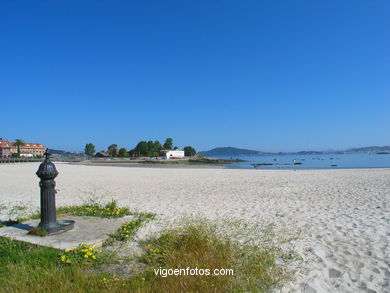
column 95, row 209
column 89, row 208
column 29, row 268
column 246, row 268
column 129, row 229
column 195, row 244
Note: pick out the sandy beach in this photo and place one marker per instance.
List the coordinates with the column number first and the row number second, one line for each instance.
column 343, row 215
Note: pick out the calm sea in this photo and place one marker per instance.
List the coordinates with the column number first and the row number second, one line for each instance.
column 332, row 161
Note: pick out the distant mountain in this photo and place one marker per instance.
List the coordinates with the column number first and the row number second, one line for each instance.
column 64, row 154
column 232, row 151
column 370, row 149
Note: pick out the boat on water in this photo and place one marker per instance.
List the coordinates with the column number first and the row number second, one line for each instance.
column 261, row 164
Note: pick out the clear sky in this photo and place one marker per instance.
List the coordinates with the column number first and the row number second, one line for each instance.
column 265, row 75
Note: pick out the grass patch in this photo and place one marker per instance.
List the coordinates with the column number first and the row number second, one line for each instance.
column 200, row 246
column 38, row 231
column 28, row 268
column 128, row 230
column 95, row 209
column 257, row 266
column 90, row 208
column 83, row 254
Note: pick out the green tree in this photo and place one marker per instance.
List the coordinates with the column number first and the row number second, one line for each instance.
column 168, row 144
column 147, row 149
column 112, row 150
column 132, row 153
column 122, row 152
column 155, row 150
column 189, row 151
column 89, row 149
column 19, row 143
column 141, row 149
column 150, row 148
column 157, row 146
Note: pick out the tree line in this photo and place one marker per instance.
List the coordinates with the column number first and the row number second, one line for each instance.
column 142, row 149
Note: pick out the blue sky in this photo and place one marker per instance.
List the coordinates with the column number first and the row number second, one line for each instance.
column 265, row 75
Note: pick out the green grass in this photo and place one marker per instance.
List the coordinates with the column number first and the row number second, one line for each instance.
column 28, row 268
column 89, row 208
column 257, row 266
column 128, row 230
column 95, row 209
column 38, row 231
column 83, row 254
column 255, row 269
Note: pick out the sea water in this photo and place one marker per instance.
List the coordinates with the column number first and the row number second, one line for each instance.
column 325, row 161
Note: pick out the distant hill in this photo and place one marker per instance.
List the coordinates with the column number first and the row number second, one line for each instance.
column 370, row 149
column 231, row 151
column 64, row 154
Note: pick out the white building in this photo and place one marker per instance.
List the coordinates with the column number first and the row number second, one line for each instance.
column 173, row 154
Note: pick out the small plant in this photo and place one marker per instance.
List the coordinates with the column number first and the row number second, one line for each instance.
column 154, row 255
column 83, row 254
column 128, row 230
column 92, row 208
column 38, row 231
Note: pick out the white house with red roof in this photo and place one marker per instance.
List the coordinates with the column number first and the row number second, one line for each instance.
column 27, row 150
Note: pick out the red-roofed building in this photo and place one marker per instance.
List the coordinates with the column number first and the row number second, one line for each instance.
column 7, row 148
column 28, row 150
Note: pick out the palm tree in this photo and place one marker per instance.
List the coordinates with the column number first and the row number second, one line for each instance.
column 19, row 143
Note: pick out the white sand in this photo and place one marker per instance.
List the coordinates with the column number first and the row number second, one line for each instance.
column 344, row 214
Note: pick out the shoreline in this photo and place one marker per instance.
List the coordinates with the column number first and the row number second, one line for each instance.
column 151, row 166
column 209, row 166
